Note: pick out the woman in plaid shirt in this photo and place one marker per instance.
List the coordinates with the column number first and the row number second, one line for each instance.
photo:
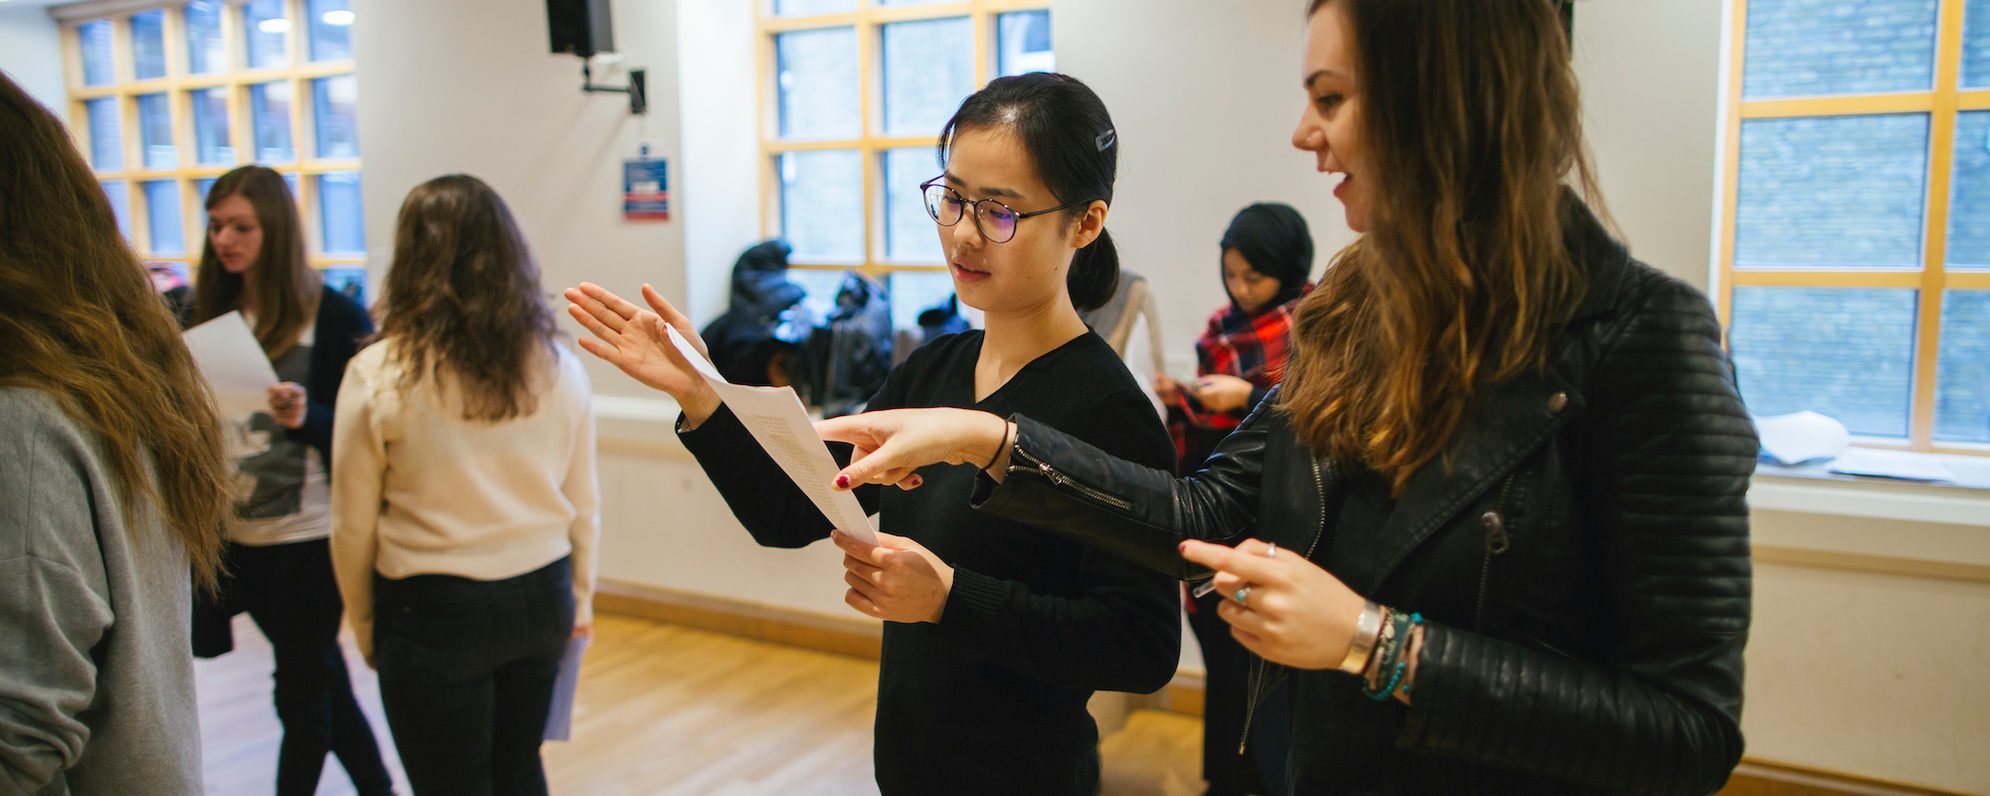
column 1267, row 257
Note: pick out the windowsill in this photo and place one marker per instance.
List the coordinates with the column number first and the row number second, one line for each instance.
column 638, row 425
column 1814, row 489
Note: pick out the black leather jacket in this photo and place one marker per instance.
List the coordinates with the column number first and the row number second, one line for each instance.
column 1583, row 562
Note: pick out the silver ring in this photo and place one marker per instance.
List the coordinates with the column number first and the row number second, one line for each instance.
column 1242, row 595
column 1272, row 551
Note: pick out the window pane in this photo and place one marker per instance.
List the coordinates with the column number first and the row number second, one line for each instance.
column 1023, row 44
column 210, row 127
column 267, row 33
column 1843, row 352
column 155, row 132
column 908, row 2
column 335, row 105
column 162, row 217
column 1969, row 196
column 1962, row 369
column 120, row 196
column 804, row 8
column 817, row 79
column 909, row 233
column 269, row 116
column 200, row 189
column 1976, row 44
column 928, row 70
column 205, row 51
column 98, row 66
column 339, row 214
column 148, row 44
column 1844, row 191
column 914, row 292
column 822, row 204
column 1811, row 47
column 820, row 284
column 331, row 29
column 106, row 145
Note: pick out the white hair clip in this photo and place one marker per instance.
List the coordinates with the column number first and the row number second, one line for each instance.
column 1106, row 140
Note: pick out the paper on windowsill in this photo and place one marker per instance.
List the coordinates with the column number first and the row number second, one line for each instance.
column 779, row 422
column 233, row 363
column 1800, row 437
column 1904, row 465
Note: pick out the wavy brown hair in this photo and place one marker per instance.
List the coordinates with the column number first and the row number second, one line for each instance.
column 285, row 290
column 79, row 321
column 462, row 298
column 1473, row 124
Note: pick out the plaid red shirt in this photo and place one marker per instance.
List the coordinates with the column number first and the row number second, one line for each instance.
column 1251, row 347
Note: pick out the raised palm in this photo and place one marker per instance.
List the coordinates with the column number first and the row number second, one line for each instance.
column 632, row 338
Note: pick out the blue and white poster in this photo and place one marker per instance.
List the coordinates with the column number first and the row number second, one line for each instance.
column 645, row 190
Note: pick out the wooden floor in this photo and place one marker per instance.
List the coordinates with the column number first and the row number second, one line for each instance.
column 664, row 709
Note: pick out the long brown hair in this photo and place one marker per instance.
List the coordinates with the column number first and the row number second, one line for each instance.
column 1472, row 122
column 462, row 298
column 79, row 320
column 286, row 289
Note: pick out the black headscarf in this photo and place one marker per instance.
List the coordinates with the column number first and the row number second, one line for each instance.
column 1273, row 238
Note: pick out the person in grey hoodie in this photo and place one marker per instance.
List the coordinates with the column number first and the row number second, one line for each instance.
column 112, row 488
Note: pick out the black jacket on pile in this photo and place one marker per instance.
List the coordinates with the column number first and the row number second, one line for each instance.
column 743, row 340
column 1582, row 563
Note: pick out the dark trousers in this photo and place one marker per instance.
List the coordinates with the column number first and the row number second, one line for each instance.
column 466, row 673
column 289, row 591
column 1224, row 700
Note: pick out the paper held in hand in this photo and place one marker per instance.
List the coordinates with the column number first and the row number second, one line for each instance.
column 778, row 421
column 233, row 363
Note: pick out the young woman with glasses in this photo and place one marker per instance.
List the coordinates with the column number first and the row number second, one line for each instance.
column 996, row 635
column 1490, row 534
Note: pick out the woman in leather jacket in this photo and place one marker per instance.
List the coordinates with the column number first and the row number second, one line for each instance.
column 1490, row 534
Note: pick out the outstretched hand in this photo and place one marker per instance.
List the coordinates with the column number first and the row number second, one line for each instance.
column 890, row 444
column 633, row 340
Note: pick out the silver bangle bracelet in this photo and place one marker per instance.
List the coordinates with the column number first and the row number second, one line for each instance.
column 1367, row 629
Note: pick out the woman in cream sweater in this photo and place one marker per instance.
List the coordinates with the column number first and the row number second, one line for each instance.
column 465, row 503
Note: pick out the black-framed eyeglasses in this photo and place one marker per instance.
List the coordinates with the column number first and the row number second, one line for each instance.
column 996, row 221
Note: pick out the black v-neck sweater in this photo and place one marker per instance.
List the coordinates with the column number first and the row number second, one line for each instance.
column 992, row 698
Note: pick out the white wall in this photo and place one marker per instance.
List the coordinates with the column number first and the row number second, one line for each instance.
column 1204, row 94
column 1650, row 75
column 31, row 53
column 721, row 134
column 469, row 86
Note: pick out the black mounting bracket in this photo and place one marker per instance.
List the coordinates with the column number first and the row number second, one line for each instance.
column 637, row 89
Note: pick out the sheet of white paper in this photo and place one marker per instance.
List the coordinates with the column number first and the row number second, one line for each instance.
column 778, row 421
column 1890, row 464
column 560, row 718
column 1799, row 437
column 233, row 363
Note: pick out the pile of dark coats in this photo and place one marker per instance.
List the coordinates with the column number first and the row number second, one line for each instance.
column 769, row 336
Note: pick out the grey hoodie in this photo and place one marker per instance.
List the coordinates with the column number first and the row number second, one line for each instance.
column 96, row 677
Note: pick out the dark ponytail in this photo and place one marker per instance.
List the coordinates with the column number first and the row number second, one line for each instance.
column 1066, row 128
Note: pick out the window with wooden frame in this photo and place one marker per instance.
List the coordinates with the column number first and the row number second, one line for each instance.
column 164, row 98
column 1854, row 270
column 853, row 95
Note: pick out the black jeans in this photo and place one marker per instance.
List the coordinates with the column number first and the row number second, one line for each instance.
column 289, row 591
column 466, row 672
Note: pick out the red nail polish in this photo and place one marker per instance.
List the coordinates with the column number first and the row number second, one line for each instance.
column 842, row 481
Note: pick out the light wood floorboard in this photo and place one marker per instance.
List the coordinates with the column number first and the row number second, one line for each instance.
column 669, row 710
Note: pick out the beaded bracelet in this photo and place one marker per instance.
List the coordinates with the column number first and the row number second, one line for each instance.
column 1385, row 643
column 1393, row 663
